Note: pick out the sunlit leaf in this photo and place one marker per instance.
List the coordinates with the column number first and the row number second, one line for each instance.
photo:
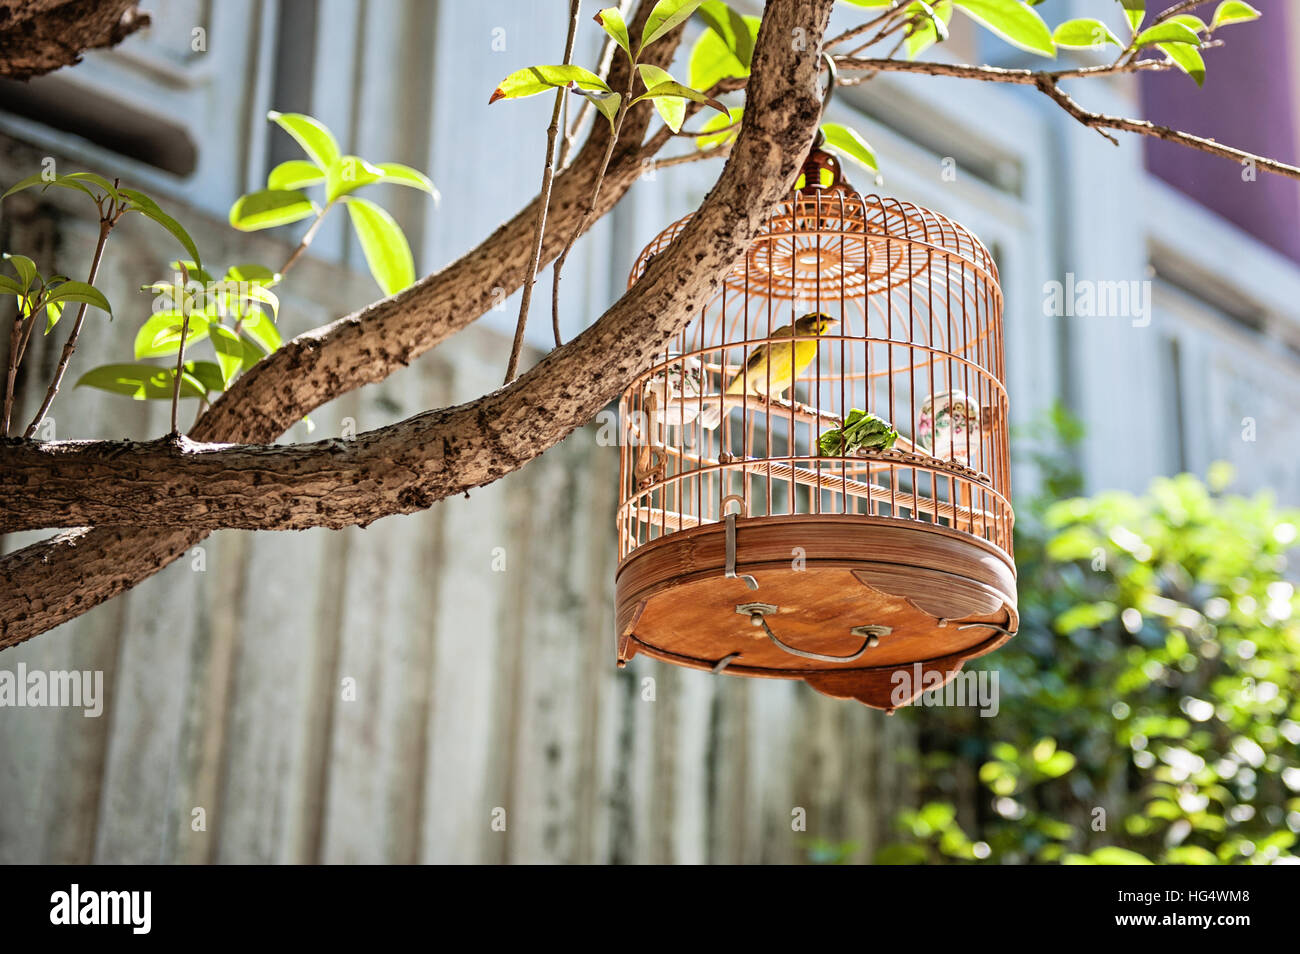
column 1134, row 12
column 931, row 28
column 311, row 134
column 161, row 334
column 1167, row 33
column 139, row 202
column 230, row 353
column 612, row 22
column 715, row 56
column 397, row 174
column 666, row 15
column 606, row 104
column 350, row 174
column 537, row 79
column 141, row 381
column 385, row 246
column 25, row 268
column 847, row 142
column 728, row 128
column 671, row 88
column 80, row 292
column 294, row 174
column 260, row 330
column 1187, row 58
column 1233, row 11
column 269, row 208
column 208, row 374
column 671, row 110
column 1016, row 23
column 1084, row 33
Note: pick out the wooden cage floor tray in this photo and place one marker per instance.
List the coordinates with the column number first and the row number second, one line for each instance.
column 940, row 597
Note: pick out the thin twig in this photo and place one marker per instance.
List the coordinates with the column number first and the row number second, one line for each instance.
column 180, row 352
column 105, row 227
column 306, row 240
column 591, row 206
column 544, row 200
column 605, row 60
column 863, row 27
column 1048, row 83
column 721, row 152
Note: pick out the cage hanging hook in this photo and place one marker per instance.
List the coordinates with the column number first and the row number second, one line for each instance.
column 731, row 541
column 832, row 80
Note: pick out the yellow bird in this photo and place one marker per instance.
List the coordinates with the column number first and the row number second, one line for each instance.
column 772, row 376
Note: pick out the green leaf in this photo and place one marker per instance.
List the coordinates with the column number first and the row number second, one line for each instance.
column 350, row 174
column 53, row 312
column 397, row 174
column 1191, row 22
column 141, row 381
column 1016, row 23
column 1110, row 855
column 672, row 88
column 848, row 143
column 45, row 182
column 294, row 174
column 1233, row 11
column 716, row 57
column 1167, row 33
column 25, row 268
column 728, row 128
column 612, row 22
column 230, row 353
column 606, row 104
column 1134, row 12
column 192, row 271
column 139, row 202
column 208, row 374
column 1084, row 34
column 269, row 208
column 9, row 286
column 311, row 134
column 80, row 292
column 109, row 189
column 1187, row 58
column 260, row 330
column 161, row 334
column 537, row 79
column 932, row 27
column 256, row 274
column 736, row 32
column 666, row 15
column 387, row 252
column 671, row 110
column 256, row 293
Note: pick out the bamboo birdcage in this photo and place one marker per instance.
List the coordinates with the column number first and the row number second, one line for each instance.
column 744, row 548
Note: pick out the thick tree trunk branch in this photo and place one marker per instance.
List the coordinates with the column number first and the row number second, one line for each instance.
column 486, row 439
column 38, row 36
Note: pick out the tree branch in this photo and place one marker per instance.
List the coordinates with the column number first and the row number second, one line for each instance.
column 38, row 36
column 1048, row 82
column 58, row 579
column 407, row 466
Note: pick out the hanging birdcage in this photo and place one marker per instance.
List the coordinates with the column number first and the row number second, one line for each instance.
column 814, row 474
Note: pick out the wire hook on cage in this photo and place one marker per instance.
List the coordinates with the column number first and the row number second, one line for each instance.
column 832, row 81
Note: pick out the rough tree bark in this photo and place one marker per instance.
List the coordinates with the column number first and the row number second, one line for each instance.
column 412, row 464
column 38, row 36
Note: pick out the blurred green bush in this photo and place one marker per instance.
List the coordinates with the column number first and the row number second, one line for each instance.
column 1149, row 706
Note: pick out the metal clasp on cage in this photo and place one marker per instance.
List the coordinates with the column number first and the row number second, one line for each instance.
column 731, row 540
